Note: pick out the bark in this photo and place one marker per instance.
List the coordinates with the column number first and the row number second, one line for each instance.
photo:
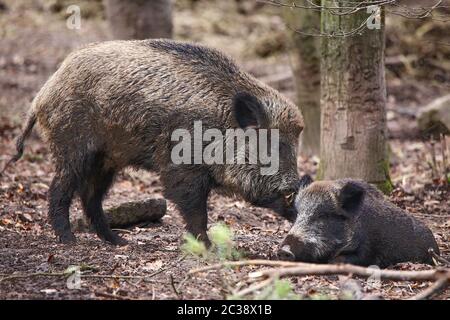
column 353, row 100
column 139, row 19
column 305, row 60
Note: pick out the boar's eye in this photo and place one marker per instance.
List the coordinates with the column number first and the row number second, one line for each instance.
column 340, row 217
column 332, row 215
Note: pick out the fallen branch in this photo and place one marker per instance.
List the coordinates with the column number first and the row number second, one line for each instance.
column 30, row 275
column 348, row 269
column 243, row 263
column 436, row 288
column 64, row 274
column 440, row 276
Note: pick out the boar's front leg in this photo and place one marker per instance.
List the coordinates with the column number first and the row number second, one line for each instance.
column 189, row 190
column 357, row 257
column 91, row 199
column 94, row 184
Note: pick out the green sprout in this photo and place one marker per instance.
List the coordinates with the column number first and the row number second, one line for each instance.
column 222, row 246
column 278, row 290
column 193, row 246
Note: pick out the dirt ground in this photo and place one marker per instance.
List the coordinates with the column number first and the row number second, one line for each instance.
column 34, row 40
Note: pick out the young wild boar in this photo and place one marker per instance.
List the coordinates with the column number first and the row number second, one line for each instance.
column 116, row 104
column 350, row 221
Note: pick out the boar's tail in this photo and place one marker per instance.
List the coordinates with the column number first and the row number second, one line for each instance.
column 21, row 139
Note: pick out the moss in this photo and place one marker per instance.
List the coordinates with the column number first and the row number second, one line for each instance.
column 385, row 186
column 320, row 171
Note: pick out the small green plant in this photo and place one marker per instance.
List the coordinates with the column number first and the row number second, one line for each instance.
column 278, row 290
column 193, row 246
column 222, row 246
column 222, row 242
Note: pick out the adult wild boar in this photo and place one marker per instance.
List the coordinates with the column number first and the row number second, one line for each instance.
column 350, row 221
column 115, row 104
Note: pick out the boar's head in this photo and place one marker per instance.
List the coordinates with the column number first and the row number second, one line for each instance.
column 265, row 184
column 327, row 222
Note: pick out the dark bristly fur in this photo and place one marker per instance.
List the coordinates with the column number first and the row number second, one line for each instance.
column 115, row 104
column 350, row 221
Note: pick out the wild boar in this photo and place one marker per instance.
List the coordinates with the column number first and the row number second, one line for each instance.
column 350, row 221
column 116, row 104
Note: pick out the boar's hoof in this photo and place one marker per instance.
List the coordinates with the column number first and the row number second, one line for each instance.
column 204, row 238
column 285, row 253
column 67, row 238
column 114, row 239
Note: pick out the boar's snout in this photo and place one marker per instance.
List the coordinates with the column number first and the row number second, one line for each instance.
column 291, row 248
column 285, row 253
column 295, row 248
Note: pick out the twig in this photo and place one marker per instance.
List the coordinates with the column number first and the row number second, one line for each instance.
column 257, row 262
column 174, row 264
column 62, row 274
column 436, row 288
column 444, row 157
column 348, row 269
column 438, row 257
column 255, row 287
column 172, row 284
column 434, row 169
column 111, row 296
column 122, row 230
column 95, row 276
column 182, row 282
column 153, row 293
column 29, row 275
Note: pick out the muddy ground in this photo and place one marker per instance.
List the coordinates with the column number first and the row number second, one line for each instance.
column 34, row 40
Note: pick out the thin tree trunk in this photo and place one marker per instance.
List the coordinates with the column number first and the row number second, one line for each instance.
column 305, row 60
column 139, row 19
column 353, row 99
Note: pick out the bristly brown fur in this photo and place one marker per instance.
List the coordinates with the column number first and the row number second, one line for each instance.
column 351, row 221
column 115, row 104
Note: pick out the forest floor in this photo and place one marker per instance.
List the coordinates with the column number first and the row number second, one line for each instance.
column 34, row 42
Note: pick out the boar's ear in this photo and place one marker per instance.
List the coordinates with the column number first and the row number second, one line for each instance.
column 351, row 196
column 248, row 111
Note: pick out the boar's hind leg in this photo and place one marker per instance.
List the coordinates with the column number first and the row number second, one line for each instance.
column 60, row 197
column 93, row 189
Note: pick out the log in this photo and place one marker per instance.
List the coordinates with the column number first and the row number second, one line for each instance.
column 128, row 214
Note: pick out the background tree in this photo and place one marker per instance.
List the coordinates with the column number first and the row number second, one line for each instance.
column 139, row 19
column 353, row 96
column 305, row 60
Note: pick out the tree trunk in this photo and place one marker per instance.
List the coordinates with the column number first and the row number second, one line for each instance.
column 139, row 19
column 353, row 99
column 305, row 60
